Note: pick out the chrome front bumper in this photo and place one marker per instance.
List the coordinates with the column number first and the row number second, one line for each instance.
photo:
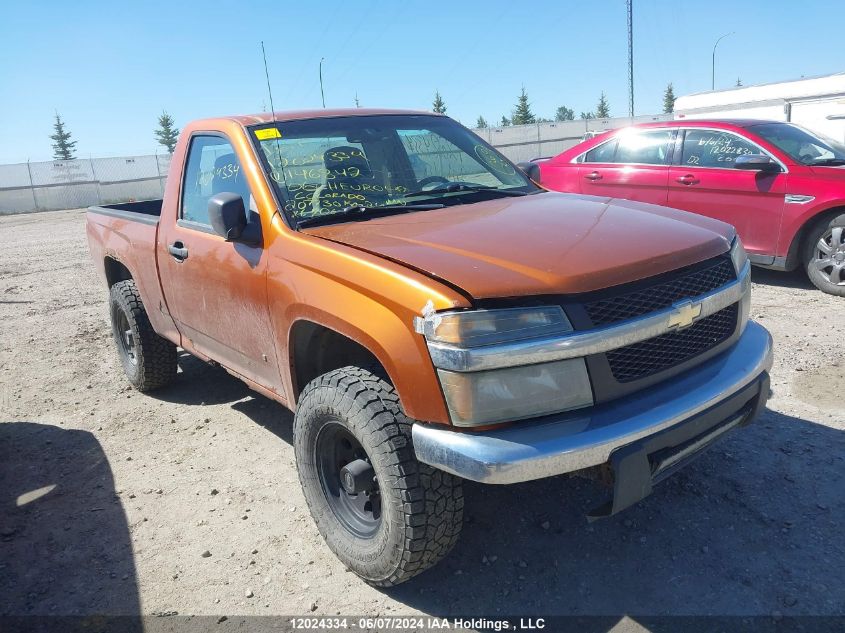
column 580, row 439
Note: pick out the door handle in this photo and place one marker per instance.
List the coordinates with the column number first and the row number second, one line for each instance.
column 593, row 176
column 688, row 179
column 178, row 251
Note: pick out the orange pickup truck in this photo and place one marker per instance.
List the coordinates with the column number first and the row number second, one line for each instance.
column 431, row 315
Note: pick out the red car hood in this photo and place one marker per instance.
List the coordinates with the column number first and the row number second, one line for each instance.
column 548, row 243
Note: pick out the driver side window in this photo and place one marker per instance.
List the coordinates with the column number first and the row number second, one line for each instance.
column 212, row 167
column 713, row 148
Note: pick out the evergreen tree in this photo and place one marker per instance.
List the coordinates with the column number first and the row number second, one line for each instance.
column 481, row 123
column 602, row 108
column 505, row 121
column 522, row 114
column 564, row 114
column 588, row 115
column 738, row 82
column 438, row 106
column 669, row 99
column 63, row 147
column 167, row 133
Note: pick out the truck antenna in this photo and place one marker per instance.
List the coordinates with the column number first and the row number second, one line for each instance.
column 267, row 75
column 273, row 117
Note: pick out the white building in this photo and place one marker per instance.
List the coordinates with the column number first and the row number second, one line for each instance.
column 817, row 103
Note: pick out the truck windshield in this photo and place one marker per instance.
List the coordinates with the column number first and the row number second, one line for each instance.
column 322, row 167
column 802, row 145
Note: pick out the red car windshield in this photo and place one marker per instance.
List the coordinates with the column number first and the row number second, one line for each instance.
column 802, row 145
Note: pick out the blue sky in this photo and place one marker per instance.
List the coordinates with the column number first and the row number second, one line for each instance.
column 110, row 67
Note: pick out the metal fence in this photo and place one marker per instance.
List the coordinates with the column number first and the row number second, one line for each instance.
column 70, row 184
column 525, row 142
column 54, row 185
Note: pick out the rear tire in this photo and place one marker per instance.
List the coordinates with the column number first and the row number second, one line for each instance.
column 824, row 255
column 393, row 516
column 148, row 360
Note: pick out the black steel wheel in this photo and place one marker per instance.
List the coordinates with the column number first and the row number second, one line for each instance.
column 384, row 514
column 148, row 360
column 348, row 480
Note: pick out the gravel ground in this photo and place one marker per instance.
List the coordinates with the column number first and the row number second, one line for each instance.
column 188, row 500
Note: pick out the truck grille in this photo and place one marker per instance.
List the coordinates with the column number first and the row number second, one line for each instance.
column 663, row 352
column 661, row 295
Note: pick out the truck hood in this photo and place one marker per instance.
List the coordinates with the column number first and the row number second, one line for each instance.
column 547, row 243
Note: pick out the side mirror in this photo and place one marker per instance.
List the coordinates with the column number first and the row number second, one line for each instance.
column 228, row 218
column 756, row 162
column 532, row 170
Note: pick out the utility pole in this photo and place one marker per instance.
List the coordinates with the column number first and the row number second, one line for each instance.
column 322, row 94
column 713, row 67
column 630, row 7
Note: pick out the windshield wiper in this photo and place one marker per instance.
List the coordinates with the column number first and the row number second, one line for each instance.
column 362, row 210
column 830, row 162
column 460, row 186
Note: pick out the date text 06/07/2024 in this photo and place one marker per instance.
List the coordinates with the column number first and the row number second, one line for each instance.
column 415, row 623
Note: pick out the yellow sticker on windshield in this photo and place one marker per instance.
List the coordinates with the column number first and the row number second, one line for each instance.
column 267, row 133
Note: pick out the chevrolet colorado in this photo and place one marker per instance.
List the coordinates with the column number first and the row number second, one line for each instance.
column 431, row 315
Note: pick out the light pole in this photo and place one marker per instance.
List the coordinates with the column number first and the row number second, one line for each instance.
column 713, row 67
column 630, row 58
column 321, row 82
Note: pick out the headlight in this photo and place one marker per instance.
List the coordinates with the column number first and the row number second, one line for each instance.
column 740, row 259
column 738, row 255
column 489, row 327
column 515, row 393
column 510, row 393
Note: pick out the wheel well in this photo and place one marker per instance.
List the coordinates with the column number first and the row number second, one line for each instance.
column 115, row 271
column 316, row 349
column 793, row 257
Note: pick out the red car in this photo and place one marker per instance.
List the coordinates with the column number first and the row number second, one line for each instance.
column 780, row 185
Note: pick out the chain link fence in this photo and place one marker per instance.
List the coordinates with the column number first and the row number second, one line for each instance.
column 82, row 182
column 543, row 140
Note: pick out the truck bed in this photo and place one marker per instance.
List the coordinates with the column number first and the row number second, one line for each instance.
column 147, row 211
column 123, row 238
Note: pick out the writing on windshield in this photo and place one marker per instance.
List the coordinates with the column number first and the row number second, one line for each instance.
column 323, row 166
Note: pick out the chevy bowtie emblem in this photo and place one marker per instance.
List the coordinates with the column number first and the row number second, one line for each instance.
column 684, row 314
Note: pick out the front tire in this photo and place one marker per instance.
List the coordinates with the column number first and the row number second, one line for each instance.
column 148, row 360
column 824, row 256
column 384, row 514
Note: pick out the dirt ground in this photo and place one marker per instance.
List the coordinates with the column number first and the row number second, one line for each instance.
column 188, row 500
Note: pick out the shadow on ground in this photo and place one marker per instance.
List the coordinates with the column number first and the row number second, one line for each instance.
column 752, row 527
column 65, row 547
column 794, row 279
column 199, row 383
